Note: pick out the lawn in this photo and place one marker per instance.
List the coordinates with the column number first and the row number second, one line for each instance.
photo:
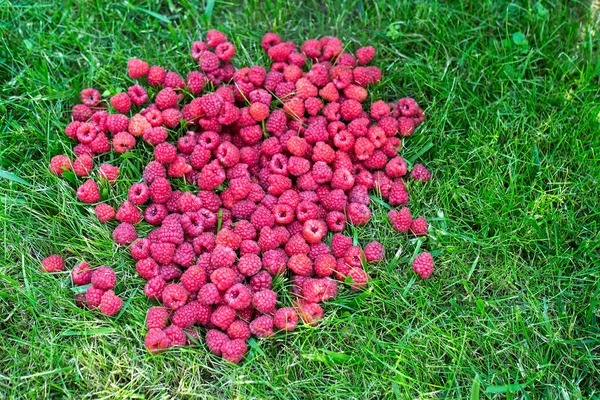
column 511, row 92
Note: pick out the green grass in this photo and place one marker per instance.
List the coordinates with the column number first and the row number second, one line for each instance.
column 512, row 97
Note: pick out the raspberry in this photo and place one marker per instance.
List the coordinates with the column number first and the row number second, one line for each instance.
column 244, row 229
column 174, row 296
column 163, row 253
column 60, row 164
column 324, row 265
column 353, row 256
column 374, row 251
column 283, row 214
column 93, row 297
column 259, row 111
column 262, row 326
column 53, row 263
column 285, row 319
column 184, row 255
column 215, row 38
column 398, row 194
column 174, row 80
column 396, row 167
column 406, row 126
column 227, row 154
column 80, row 274
column 147, row 268
column 138, row 125
column 234, row 350
column 262, row 217
column 423, row 265
column 154, row 170
column 249, row 264
column 203, row 312
column 157, row 318
column 128, row 213
column 195, row 81
column 420, row 173
column 215, row 340
column 104, row 278
column 314, row 230
column 261, row 281
column 239, row 330
column 90, row 97
column 222, row 257
column 155, row 136
column 110, row 304
column 264, row 301
column 336, row 221
column 184, row 316
column 160, row 190
column 156, row 340
column 86, row 133
column 121, row 102
column 138, row 193
column 89, row 192
column 269, row 40
column 169, row 272
column 318, row 290
column 355, row 92
column 100, row 144
column 166, row 98
column 154, row 287
column 176, row 335
column 359, row 278
column 238, row 297
column 209, row 294
column 223, row 278
column 124, row 233
column 274, row 261
column 81, row 112
column 156, row 76
column 296, row 245
column 137, row 95
column 268, row 239
column 358, row 214
column 249, row 247
column 140, row 249
column 227, row 238
column 123, row 142
column 137, row 68
column 340, row 244
column 155, row 213
column 300, row 264
column 223, row 316
column 323, row 152
column 309, row 313
column 365, row 54
column 419, row 226
column 211, row 176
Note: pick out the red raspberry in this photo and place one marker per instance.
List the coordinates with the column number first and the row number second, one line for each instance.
column 406, row 126
column 363, row 148
column 174, row 296
column 234, row 350
column 324, row 265
column 336, row 221
column 259, row 111
column 154, row 287
column 174, row 80
column 124, row 233
column 268, row 239
column 137, row 95
column 137, row 68
column 262, row 217
column 90, row 97
column 123, row 142
column 203, row 313
column 184, row 255
column 169, row 272
column 227, row 238
column 358, row 214
column 340, row 244
column 215, row 340
column 166, row 98
column 154, row 170
column 176, row 335
column 249, row 247
column 374, row 251
column 262, row 326
column 420, row 173
column 195, row 82
column 223, row 278
column 100, row 144
column 110, row 304
column 163, row 252
column 318, row 290
column 239, row 330
column 147, row 268
column 323, row 152
column 53, row 263
column 223, row 316
column 419, row 226
column 269, row 40
column 156, row 76
column 353, row 256
column 321, row 172
column 355, row 92
column 314, row 230
column 228, row 154
column 379, row 109
column 128, row 213
column 138, row 125
column 222, row 257
column 359, row 278
column 283, row 214
column 285, row 319
column 104, row 278
column 93, row 297
column 209, row 294
column 249, row 264
column 238, row 297
column 89, row 192
column 400, row 220
column 81, row 112
column 335, row 200
column 80, row 274
column 215, row 38
column 261, row 281
column 365, row 54
column 211, row 176
column 244, row 229
column 157, row 318
column 156, row 340
column 300, row 264
column 296, row 245
column 184, row 316
column 423, row 265
column 140, row 249
column 178, row 168
column 396, row 167
column 160, row 190
column 264, row 301
column 138, row 193
column 155, row 213
column 398, row 194
column 155, row 136
column 60, row 164
column 310, row 313
column 121, row 102
column 86, row 133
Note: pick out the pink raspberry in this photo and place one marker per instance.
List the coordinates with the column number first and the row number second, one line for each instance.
column 93, row 297
column 234, row 350
column 420, row 173
column 359, row 278
column 90, row 97
column 223, row 316
column 324, row 265
column 300, row 264
column 358, row 214
column 249, row 264
column 60, row 164
column 262, row 326
column 81, row 274
column 174, row 296
column 336, row 221
column 137, row 68
column 238, row 296
column 53, row 263
column 374, row 251
column 123, row 142
column 419, row 226
column 353, row 256
column 423, row 265
column 364, row 55
column 209, row 294
column 318, row 290
column 239, row 330
column 103, row 278
column 215, row 340
column 157, row 318
column 310, row 313
column 285, row 319
column 184, row 316
column 401, row 220
column 194, row 278
column 261, row 281
column 147, row 268
column 128, row 213
column 340, row 244
column 121, row 102
column 81, row 112
column 264, row 301
column 110, row 304
column 154, row 288
column 137, row 95
column 222, row 257
column 223, row 278
column 89, row 192
column 124, row 233
column 156, row 340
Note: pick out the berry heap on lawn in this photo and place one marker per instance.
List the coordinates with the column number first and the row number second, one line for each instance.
column 280, row 161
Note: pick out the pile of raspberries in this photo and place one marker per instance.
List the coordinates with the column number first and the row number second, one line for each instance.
column 280, row 161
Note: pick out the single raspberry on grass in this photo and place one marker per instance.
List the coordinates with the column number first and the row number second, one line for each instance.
column 419, row 226
column 374, row 251
column 137, row 68
column 53, row 263
column 239, row 330
column 89, row 192
column 285, row 319
column 174, row 296
column 124, row 233
column 423, row 265
column 223, row 316
column 184, row 316
column 60, row 164
column 234, row 350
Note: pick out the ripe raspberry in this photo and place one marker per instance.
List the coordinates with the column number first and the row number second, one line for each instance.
column 223, row 316
column 53, row 263
column 319, row 290
column 80, row 274
column 300, row 264
column 249, row 264
column 239, row 330
column 336, row 221
column 358, row 214
column 169, row 272
column 400, row 220
column 340, row 244
column 174, row 80
column 166, row 98
column 374, row 251
column 81, row 112
column 353, row 256
column 140, row 249
column 184, row 255
column 89, row 192
column 110, row 304
column 154, row 287
column 222, row 257
column 209, row 294
column 160, row 190
column 128, row 213
column 423, row 265
column 60, row 164
column 238, row 297
column 324, row 265
column 174, row 296
column 137, row 68
column 215, row 340
column 310, row 313
column 184, row 316
column 359, row 278
column 155, row 136
column 211, row 176
column 419, row 226
column 176, row 335
column 262, row 217
column 156, row 76
column 157, row 318
column 86, row 133
column 264, row 301
column 262, row 326
column 396, row 167
column 123, row 142
column 268, row 239
column 215, row 38
column 203, row 313
column 137, row 95
column 156, row 340
column 365, row 54
column 398, row 194
column 314, row 230
column 121, row 102
column 138, row 125
column 234, row 350
column 104, row 278
column 285, row 319
column 93, row 297
column 147, row 268
column 90, row 97
column 223, row 278
column 261, row 281
column 420, row 173
column 124, row 234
